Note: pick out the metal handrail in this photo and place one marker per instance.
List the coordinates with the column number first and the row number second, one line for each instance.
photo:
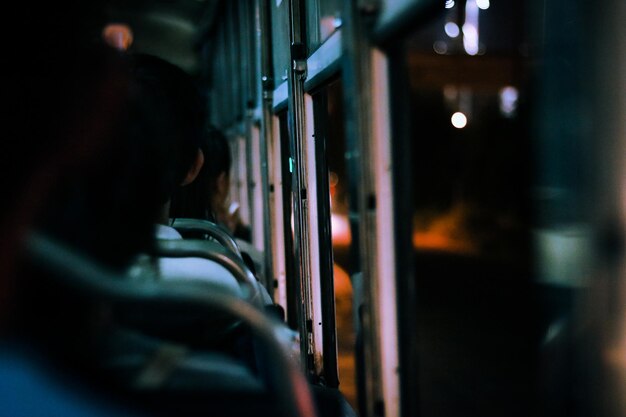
column 75, row 270
column 210, row 228
column 186, row 248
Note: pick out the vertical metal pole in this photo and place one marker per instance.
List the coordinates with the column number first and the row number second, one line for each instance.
column 297, row 132
column 266, row 86
column 356, row 68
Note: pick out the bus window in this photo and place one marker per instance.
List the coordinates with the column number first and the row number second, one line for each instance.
column 256, row 192
column 468, row 116
column 291, row 270
column 323, row 19
column 280, row 40
column 333, row 172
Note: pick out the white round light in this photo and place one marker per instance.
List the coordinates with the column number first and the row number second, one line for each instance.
column 452, row 29
column 482, row 4
column 459, row 120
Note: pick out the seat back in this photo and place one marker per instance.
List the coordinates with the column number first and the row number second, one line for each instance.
column 217, row 253
column 209, row 228
column 286, row 381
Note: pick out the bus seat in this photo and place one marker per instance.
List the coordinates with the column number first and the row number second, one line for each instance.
column 217, row 253
column 188, row 225
column 287, row 391
column 252, row 257
column 255, row 259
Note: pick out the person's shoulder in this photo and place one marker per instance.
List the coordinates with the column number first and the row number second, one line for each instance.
column 198, row 269
column 162, row 231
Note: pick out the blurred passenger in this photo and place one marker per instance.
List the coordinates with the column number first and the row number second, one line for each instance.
column 63, row 100
column 91, row 157
column 208, row 197
column 179, row 104
column 76, row 198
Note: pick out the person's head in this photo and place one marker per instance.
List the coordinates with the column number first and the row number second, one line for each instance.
column 181, row 112
column 218, row 166
column 67, row 162
column 211, row 186
column 107, row 204
column 88, row 140
column 124, row 145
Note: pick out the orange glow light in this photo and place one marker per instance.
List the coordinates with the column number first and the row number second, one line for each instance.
column 340, row 227
column 445, row 232
column 118, row 35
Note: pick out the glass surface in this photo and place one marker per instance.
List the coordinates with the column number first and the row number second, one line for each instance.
column 234, row 45
column 224, row 106
column 280, row 41
column 478, row 110
column 323, row 19
column 291, row 272
column 470, row 147
column 250, row 65
column 391, row 12
column 329, row 126
column 497, row 123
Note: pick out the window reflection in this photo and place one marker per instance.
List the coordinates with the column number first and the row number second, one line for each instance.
column 344, row 265
column 323, row 19
column 471, row 219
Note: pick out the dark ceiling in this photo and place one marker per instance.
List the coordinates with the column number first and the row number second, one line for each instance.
column 166, row 28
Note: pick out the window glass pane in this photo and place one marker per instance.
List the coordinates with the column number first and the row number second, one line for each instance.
column 250, row 66
column 329, row 127
column 323, row 19
column 234, row 43
column 291, row 270
column 497, row 119
column 280, row 40
column 395, row 16
column 469, row 100
column 224, row 49
column 469, row 96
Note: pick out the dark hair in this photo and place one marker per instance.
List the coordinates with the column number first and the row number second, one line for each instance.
column 218, row 157
column 126, row 125
column 100, row 203
column 87, row 128
column 194, row 200
column 75, row 187
column 106, row 205
column 179, row 104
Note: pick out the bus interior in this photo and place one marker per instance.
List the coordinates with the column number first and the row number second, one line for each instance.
column 432, row 195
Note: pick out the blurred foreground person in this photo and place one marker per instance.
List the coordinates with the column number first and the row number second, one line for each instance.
column 208, row 197
column 65, row 102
